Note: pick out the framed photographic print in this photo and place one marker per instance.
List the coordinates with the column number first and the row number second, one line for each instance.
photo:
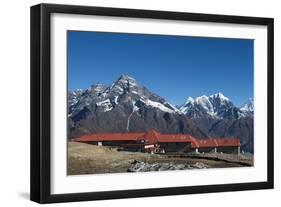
column 132, row 103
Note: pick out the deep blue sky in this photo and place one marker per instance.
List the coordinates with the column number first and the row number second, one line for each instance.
column 174, row 67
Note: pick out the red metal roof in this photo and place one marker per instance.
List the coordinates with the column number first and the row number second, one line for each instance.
column 203, row 143
column 153, row 137
column 110, row 137
column 174, row 138
column 218, row 142
column 228, row 142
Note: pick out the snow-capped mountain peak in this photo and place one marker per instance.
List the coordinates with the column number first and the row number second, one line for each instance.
column 125, row 79
column 219, row 95
column 123, row 91
column 126, row 90
column 97, row 88
column 188, row 103
column 204, row 101
column 189, row 100
column 248, row 106
column 247, row 109
column 123, row 84
column 215, row 106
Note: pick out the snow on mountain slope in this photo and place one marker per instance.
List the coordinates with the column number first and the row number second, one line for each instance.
column 206, row 104
column 157, row 105
column 106, row 105
column 126, row 89
column 123, row 90
column 128, row 106
column 187, row 105
column 219, row 96
column 216, row 106
column 248, row 106
column 247, row 109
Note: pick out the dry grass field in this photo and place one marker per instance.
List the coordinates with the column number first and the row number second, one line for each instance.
column 92, row 159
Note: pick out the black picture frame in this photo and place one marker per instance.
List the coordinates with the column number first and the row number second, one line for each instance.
column 41, row 96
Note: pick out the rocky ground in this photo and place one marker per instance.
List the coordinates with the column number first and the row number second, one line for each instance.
column 91, row 159
column 139, row 166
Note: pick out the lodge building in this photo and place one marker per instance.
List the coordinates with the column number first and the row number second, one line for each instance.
column 154, row 142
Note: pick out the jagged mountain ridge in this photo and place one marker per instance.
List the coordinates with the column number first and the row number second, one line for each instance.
column 124, row 106
column 106, row 98
column 248, row 108
column 129, row 106
column 216, row 106
column 217, row 116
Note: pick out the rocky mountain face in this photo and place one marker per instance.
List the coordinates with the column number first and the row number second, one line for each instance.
column 216, row 106
column 248, row 108
column 124, row 106
column 217, row 116
column 128, row 106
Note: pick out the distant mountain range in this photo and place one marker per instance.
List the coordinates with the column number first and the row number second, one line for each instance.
column 216, row 106
column 129, row 106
